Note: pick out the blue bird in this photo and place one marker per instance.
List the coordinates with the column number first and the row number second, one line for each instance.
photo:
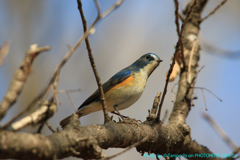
column 123, row 89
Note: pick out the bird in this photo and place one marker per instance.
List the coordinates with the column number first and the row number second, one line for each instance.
column 121, row 90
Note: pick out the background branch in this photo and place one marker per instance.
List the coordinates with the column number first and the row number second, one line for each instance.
column 4, row 50
column 220, row 131
column 54, row 78
column 211, row 13
column 19, row 79
column 44, row 112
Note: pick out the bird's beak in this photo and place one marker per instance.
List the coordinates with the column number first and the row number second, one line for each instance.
column 159, row 60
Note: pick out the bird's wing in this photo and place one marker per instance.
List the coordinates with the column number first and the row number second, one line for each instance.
column 116, row 79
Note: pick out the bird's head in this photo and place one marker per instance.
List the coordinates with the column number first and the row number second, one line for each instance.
column 147, row 63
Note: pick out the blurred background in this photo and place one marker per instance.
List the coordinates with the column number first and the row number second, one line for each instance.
column 135, row 28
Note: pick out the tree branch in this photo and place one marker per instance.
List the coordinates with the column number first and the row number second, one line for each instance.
column 211, row 13
column 84, row 22
column 4, row 52
column 19, row 79
column 182, row 103
column 176, row 52
column 44, row 112
column 73, row 138
column 220, row 131
column 54, row 78
column 87, row 142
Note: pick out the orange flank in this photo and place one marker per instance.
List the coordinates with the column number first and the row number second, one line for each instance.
column 126, row 83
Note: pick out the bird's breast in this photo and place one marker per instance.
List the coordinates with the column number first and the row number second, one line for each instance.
column 127, row 92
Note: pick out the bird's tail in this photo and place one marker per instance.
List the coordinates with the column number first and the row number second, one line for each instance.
column 82, row 112
column 65, row 121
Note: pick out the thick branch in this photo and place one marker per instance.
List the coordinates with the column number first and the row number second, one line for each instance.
column 86, row 142
column 182, row 103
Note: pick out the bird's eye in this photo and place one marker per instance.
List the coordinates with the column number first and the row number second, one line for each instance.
column 148, row 57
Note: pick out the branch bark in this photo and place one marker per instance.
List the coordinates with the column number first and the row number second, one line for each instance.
column 44, row 112
column 86, row 142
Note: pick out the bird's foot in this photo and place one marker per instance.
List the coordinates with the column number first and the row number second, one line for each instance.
column 122, row 116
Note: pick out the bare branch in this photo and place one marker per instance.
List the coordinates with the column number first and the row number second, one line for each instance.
column 177, row 16
column 105, row 110
column 181, row 16
column 178, row 32
column 45, row 111
column 50, row 127
column 209, row 92
column 74, row 106
column 67, row 92
column 211, row 49
column 54, row 79
column 211, row 13
column 19, row 79
column 4, row 52
column 81, row 11
column 220, row 131
column 174, row 57
column 40, row 127
column 204, row 100
column 156, row 103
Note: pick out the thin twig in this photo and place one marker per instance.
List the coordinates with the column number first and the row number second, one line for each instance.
column 200, row 69
column 220, row 131
column 50, row 127
column 209, row 91
column 98, row 9
column 211, row 13
column 4, row 50
column 185, row 82
column 178, row 31
column 64, row 60
column 40, row 128
column 204, row 100
column 105, row 110
column 177, row 17
column 58, row 99
column 67, row 92
column 181, row 16
column 74, row 106
column 156, row 103
column 165, row 116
